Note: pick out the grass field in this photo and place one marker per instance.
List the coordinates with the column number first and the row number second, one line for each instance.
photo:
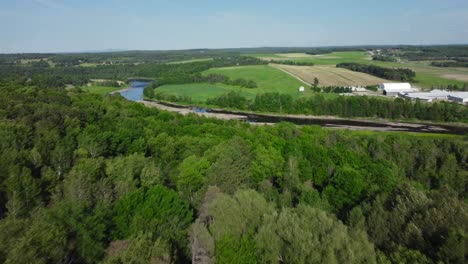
column 322, row 59
column 102, row 90
column 268, row 79
column 426, row 76
column 199, row 92
column 330, row 75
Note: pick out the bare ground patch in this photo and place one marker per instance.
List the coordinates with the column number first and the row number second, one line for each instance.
column 459, row 77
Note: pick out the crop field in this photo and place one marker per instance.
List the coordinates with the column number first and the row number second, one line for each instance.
column 102, row 90
column 330, row 75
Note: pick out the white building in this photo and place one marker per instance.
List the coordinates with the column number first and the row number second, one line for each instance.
column 460, row 97
column 427, row 96
column 393, row 89
column 301, row 89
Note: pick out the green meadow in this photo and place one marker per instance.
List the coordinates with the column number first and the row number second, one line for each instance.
column 268, row 79
column 321, row 59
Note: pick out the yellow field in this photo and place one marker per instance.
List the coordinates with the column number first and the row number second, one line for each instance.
column 330, row 75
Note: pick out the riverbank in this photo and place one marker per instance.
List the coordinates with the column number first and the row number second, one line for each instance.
column 325, row 121
column 186, row 111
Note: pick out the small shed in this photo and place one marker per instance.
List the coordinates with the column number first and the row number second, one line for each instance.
column 301, row 89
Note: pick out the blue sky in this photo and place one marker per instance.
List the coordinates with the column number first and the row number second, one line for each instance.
column 91, row 25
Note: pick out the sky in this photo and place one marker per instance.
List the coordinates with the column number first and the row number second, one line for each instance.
column 101, row 25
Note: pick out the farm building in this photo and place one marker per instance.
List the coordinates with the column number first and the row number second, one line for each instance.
column 393, row 89
column 460, row 97
column 428, row 96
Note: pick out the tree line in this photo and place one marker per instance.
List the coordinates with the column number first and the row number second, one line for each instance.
column 332, row 89
column 344, row 106
column 403, row 75
column 291, row 62
column 449, row 64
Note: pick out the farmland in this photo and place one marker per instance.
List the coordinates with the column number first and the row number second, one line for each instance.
column 322, row 59
column 199, row 92
column 330, row 75
column 268, row 79
column 426, row 76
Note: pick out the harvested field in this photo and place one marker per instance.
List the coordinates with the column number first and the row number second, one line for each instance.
column 459, row 77
column 330, row 75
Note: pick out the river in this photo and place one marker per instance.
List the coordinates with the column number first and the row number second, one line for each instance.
column 135, row 93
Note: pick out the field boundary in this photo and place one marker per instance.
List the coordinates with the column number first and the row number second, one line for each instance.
column 291, row 74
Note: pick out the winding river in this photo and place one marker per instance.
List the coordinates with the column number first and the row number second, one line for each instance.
column 135, row 93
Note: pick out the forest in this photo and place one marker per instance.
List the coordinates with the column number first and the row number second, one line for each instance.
column 92, row 179
column 403, row 75
column 42, row 75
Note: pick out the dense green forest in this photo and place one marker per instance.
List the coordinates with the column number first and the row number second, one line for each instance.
column 403, row 75
column 91, row 179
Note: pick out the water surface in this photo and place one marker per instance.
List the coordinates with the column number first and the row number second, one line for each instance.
column 135, row 92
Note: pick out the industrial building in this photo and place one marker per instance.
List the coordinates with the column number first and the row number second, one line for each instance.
column 437, row 95
column 460, row 97
column 393, row 89
column 427, row 96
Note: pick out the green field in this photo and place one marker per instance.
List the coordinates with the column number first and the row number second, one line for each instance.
column 268, row 79
column 102, row 90
column 322, row 59
column 199, row 92
column 88, row 65
column 426, row 76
